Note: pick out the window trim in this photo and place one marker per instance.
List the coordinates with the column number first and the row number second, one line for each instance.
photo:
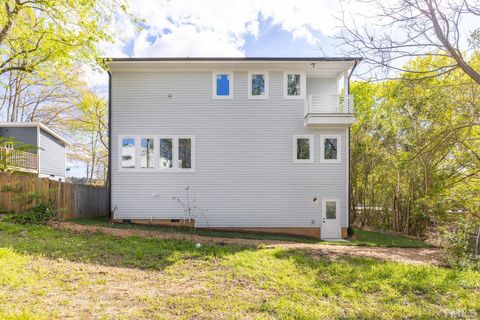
column 249, row 79
column 339, row 148
column 303, row 85
column 337, row 208
column 311, row 143
column 214, row 85
column 156, row 152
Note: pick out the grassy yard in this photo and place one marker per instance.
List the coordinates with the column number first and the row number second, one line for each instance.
column 47, row 273
column 362, row 237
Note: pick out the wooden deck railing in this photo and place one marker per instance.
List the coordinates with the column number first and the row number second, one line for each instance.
column 18, row 158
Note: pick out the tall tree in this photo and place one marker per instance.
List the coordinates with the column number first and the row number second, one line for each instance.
column 415, row 148
column 90, row 126
column 36, row 32
column 46, row 96
column 403, row 29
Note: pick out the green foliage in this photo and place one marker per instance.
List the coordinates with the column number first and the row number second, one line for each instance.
column 37, row 207
column 41, row 32
column 38, row 214
column 458, row 243
column 416, row 149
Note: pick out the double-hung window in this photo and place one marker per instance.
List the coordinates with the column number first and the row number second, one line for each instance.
column 258, row 85
column 330, row 148
column 303, row 148
column 294, row 85
column 222, row 85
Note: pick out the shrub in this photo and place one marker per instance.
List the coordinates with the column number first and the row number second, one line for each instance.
column 458, row 244
column 39, row 214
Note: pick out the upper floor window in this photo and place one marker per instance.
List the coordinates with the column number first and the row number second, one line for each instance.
column 258, row 85
column 303, row 148
column 330, row 148
column 222, row 85
column 294, row 85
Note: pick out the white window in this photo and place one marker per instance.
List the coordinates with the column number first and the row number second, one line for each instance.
column 165, row 147
column 330, row 148
column 330, row 208
column 258, row 85
column 222, row 85
column 185, row 153
column 294, row 85
column 147, row 154
column 157, row 153
column 303, row 148
column 127, row 147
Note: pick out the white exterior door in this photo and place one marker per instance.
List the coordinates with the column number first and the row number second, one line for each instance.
column 330, row 219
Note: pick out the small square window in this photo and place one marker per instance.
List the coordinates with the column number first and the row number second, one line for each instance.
column 330, row 152
column 222, row 85
column 303, row 148
column 294, row 85
column 330, row 149
column 258, row 85
column 128, row 153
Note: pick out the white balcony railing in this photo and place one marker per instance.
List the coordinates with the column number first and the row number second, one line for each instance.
column 318, row 104
column 18, row 158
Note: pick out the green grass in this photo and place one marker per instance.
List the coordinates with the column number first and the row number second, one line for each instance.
column 40, row 278
column 362, row 238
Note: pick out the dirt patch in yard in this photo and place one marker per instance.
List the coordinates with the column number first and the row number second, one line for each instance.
column 430, row 256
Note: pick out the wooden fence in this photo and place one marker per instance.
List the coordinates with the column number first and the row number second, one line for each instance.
column 71, row 200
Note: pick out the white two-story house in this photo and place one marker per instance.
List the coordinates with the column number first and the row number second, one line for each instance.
column 262, row 143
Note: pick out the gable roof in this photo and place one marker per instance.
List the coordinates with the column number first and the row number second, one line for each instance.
column 39, row 125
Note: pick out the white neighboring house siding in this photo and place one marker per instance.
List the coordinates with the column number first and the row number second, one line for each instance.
column 244, row 175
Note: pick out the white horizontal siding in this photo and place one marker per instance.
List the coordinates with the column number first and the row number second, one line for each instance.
column 52, row 155
column 244, row 171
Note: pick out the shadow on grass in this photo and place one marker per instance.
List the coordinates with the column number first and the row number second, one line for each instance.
column 131, row 252
column 393, row 280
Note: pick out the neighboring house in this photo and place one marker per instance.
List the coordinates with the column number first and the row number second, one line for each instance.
column 47, row 157
column 263, row 143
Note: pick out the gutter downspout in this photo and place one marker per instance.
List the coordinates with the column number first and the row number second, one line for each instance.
column 109, row 172
column 349, row 166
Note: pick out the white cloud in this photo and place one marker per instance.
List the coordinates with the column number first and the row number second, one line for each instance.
column 219, row 27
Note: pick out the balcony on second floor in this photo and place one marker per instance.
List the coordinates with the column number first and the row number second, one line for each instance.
column 321, row 109
column 18, row 160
